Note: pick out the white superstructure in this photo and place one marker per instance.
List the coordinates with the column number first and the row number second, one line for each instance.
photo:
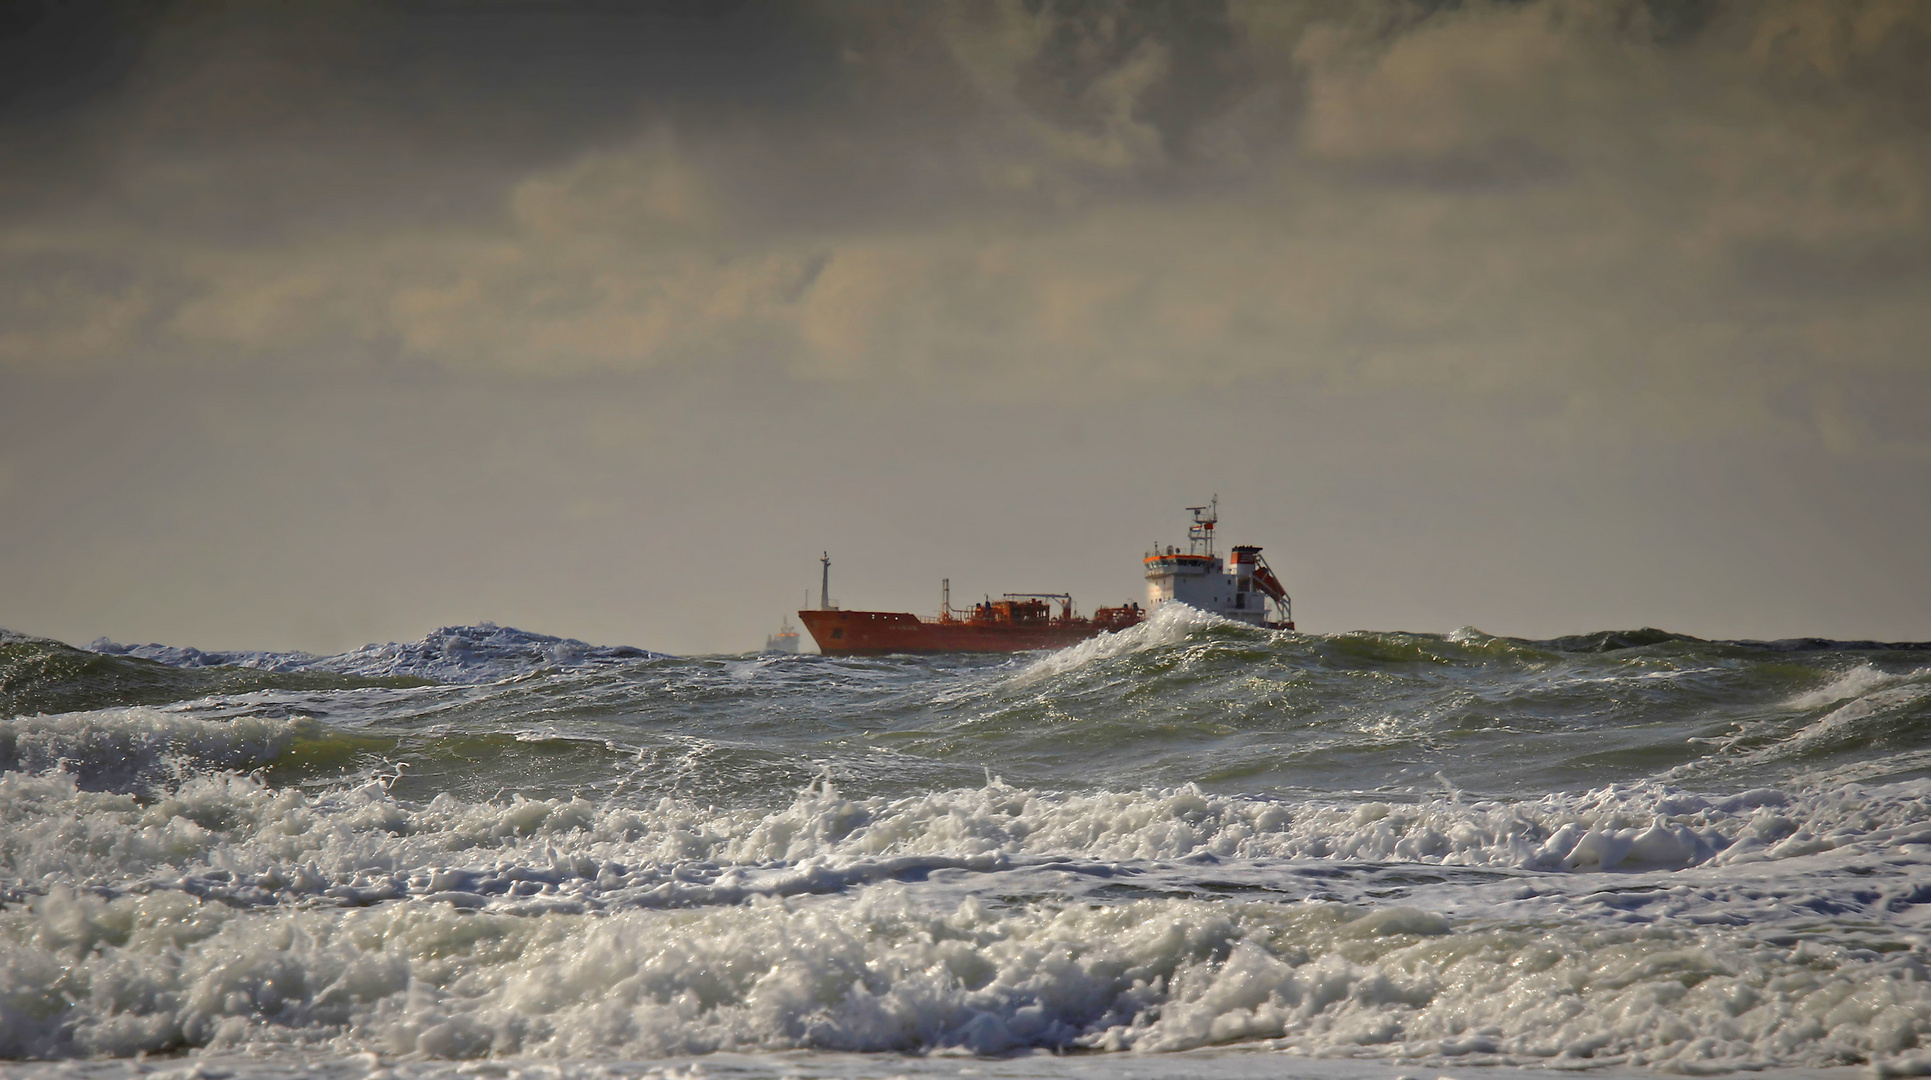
column 785, row 640
column 1198, row 578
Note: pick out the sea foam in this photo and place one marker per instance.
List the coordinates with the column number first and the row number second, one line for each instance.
column 304, row 871
column 884, row 968
column 1172, row 624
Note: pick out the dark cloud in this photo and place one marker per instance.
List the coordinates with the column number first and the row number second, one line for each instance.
column 264, row 121
column 56, row 57
column 518, row 68
column 1872, row 266
column 1193, row 47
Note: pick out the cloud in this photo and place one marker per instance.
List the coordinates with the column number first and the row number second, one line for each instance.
column 1703, row 211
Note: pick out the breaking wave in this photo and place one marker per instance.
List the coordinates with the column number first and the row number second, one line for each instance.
column 451, row 654
column 1634, row 849
column 585, row 930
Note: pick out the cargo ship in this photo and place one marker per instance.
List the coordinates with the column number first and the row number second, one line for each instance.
column 1242, row 588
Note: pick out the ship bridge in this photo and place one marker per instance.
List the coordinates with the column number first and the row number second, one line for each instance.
column 1199, row 578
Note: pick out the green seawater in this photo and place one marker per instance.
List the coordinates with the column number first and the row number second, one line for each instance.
column 1231, row 849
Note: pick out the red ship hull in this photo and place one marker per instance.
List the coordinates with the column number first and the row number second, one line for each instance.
column 877, row 633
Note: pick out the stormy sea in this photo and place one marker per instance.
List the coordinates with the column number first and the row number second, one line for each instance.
column 1190, row 849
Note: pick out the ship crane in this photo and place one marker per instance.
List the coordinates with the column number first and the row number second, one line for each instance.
column 1266, row 582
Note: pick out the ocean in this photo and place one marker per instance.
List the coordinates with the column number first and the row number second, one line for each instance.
column 1190, row 849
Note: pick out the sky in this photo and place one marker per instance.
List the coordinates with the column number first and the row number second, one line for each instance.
column 327, row 323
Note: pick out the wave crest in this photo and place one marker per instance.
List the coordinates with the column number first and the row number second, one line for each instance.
column 450, row 654
column 131, row 748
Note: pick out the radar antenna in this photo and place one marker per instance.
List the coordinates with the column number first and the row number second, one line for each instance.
column 1200, row 535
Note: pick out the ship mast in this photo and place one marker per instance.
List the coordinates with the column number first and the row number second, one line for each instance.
column 1200, row 535
column 824, row 584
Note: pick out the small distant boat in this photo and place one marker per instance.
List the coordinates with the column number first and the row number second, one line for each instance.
column 1196, row 577
column 785, row 640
